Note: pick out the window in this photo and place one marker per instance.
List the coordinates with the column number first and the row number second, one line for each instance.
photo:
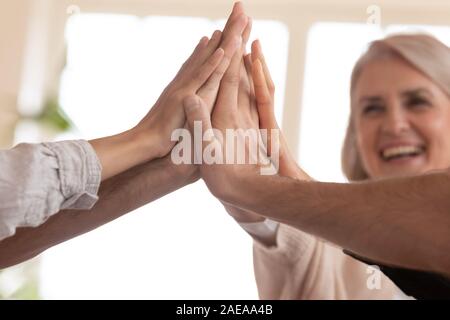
column 332, row 51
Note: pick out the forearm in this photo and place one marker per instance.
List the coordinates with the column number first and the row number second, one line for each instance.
column 117, row 196
column 403, row 222
column 125, row 150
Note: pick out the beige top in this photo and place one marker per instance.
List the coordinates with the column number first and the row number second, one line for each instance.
column 302, row 266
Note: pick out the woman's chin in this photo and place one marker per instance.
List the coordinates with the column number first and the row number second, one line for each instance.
column 403, row 167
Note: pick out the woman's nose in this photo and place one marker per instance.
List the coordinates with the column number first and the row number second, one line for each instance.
column 395, row 122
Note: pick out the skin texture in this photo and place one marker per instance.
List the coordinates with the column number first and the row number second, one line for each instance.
column 135, row 187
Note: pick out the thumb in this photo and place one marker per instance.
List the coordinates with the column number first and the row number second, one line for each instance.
column 196, row 111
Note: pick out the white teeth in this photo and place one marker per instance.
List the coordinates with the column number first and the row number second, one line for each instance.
column 401, row 151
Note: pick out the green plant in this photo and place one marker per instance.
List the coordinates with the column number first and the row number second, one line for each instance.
column 53, row 115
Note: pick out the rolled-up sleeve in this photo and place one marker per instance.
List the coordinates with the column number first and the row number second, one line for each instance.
column 38, row 180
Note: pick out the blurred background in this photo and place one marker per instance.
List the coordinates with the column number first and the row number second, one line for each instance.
column 90, row 68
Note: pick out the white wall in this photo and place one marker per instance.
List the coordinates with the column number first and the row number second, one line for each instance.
column 298, row 15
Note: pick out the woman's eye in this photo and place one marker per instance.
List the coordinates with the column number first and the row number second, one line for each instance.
column 372, row 109
column 417, row 102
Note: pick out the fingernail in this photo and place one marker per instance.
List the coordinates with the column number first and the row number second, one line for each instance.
column 234, row 7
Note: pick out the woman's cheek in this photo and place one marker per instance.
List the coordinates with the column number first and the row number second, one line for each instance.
column 366, row 148
column 435, row 130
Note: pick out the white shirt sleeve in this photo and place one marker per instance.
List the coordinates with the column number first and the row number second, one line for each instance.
column 38, row 180
column 264, row 231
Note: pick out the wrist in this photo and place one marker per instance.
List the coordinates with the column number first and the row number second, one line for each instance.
column 289, row 168
column 239, row 182
column 118, row 153
column 182, row 173
column 146, row 144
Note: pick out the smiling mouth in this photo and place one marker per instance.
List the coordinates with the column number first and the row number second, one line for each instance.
column 400, row 152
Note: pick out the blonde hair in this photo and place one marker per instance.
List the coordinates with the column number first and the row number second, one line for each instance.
column 423, row 52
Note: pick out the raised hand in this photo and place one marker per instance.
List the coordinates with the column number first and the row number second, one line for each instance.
column 200, row 74
column 234, row 110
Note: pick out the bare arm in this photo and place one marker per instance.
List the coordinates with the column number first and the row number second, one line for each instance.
column 117, row 196
column 402, row 222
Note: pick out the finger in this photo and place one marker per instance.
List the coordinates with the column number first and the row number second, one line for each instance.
column 263, row 97
column 215, row 37
column 238, row 8
column 202, row 74
column 200, row 47
column 257, row 53
column 234, row 25
column 197, row 118
column 213, row 44
column 205, row 48
column 202, row 52
column 244, row 83
column 246, row 33
column 229, row 86
column 245, row 79
column 230, row 44
column 195, row 110
column 231, row 37
column 248, row 68
column 264, row 104
column 211, row 47
column 254, row 116
column 232, row 47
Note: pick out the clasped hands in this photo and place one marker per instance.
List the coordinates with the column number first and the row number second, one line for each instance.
column 219, row 88
column 244, row 105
